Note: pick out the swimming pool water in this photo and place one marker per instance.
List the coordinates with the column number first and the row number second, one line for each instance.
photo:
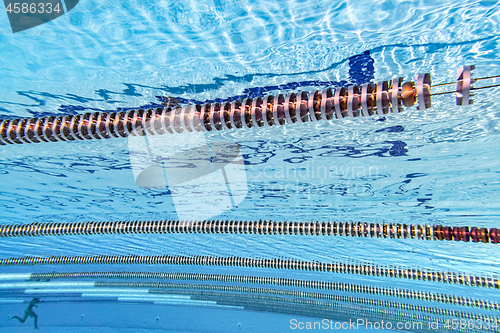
column 429, row 167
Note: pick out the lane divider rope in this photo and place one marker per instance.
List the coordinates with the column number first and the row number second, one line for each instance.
column 318, row 309
column 261, row 227
column 322, row 285
column 354, row 101
column 419, row 295
column 56, row 288
column 334, row 267
column 188, row 290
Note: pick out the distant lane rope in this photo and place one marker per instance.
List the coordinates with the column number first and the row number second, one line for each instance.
column 333, row 267
column 263, row 280
column 188, row 290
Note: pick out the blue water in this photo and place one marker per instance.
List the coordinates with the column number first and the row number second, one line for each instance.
column 434, row 166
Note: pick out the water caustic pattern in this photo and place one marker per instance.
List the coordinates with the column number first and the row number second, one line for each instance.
column 339, row 216
column 205, row 50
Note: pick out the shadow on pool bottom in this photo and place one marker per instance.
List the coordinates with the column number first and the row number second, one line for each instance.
column 116, row 317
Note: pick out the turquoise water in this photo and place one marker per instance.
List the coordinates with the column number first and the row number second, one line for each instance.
column 434, row 166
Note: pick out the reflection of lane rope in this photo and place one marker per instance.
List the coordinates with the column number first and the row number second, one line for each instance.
column 163, row 288
column 246, row 292
column 333, row 267
column 337, row 311
column 419, row 295
column 290, row 293
column 261, row 227
column 347, row 312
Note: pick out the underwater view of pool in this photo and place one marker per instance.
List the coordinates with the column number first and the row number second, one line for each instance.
column 250, row 166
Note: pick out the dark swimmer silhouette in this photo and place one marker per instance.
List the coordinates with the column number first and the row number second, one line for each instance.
column 29, row 312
